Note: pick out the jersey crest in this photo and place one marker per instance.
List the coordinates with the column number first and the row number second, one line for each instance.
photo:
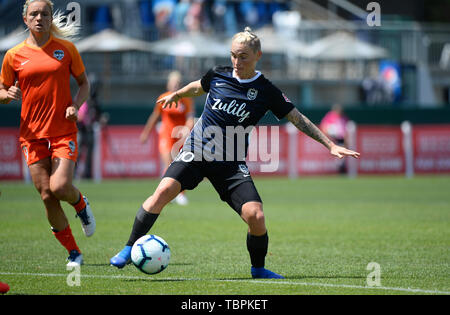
column 252, row 93
column 58, row 54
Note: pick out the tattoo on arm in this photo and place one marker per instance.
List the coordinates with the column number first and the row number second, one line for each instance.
column 307, row 127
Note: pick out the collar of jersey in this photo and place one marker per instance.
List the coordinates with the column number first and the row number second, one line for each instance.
column 256, row 76
column 39, row 47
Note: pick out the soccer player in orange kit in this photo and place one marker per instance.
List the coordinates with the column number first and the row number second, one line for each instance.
column 171, row 118
column 37, row 71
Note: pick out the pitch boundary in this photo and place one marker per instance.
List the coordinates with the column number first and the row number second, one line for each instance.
column 282, row 282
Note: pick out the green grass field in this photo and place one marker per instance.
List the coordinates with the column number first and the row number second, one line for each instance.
column 323, row 231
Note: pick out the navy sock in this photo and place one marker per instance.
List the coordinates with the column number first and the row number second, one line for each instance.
column 142, row 224
column 257, row 248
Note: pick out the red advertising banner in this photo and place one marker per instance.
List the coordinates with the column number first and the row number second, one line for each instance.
column 313, row 158
column 10, row 154
column 274, row 150
column 123, row 155
column 431, row 148
column 381, row 149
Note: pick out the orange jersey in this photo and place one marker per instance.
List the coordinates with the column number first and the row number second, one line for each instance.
column 44, row 78
column 173, row 116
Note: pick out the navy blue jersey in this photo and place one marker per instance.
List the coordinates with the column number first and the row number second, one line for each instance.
column 232, row 108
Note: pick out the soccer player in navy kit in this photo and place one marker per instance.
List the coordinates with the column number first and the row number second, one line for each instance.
column 238, row 97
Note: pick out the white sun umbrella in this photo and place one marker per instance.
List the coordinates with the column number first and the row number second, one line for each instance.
column 12, row 39
column 111, row 41
column 191, row 45
column 341, row 46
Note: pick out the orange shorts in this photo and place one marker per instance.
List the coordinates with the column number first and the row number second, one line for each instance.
column 165, row 144
column 55, row 147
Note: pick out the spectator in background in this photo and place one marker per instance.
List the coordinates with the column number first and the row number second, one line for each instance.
column 89, row 115
column 218, row 10
column 249, row 12
column 180, row 13
column 195, row 16
column 334, row 125
column 223, row 17
column 163, row 10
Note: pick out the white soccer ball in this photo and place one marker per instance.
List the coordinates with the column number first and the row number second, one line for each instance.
column 150, row 254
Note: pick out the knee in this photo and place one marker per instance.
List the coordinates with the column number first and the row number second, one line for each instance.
column 253, row 214
column 60, row 189
column 47, row 195
column 165, row 193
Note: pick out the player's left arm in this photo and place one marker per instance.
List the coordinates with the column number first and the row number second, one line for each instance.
column 81, row 97
column 307, row 127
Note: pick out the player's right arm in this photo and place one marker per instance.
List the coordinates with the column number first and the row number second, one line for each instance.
column 11, row 93
column 193, row 89
column 9, row 85
column 151, row 121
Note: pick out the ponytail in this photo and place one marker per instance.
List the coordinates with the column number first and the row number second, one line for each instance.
column 62, row 29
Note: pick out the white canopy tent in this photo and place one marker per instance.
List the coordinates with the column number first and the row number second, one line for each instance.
column 111, row 41
column 341, row 46
column 191, row 45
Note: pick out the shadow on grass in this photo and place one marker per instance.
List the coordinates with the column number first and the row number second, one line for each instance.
column 296, row 277
column 108, row 264
column 155, row 280
column 303, row 277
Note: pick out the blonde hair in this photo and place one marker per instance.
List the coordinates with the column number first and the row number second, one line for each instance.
column 58, row 28
column 174, row 80
column 249, row 38
column 174, row 75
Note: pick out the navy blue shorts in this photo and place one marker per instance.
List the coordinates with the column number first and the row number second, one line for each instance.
column 232, row 180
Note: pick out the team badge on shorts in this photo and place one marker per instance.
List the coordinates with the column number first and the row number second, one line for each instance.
column 71, row 147
column 243, row 168
column 58, row 54
column 252, row 93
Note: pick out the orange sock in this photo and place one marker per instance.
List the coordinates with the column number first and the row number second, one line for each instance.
column 80, row 205
column 66, row 239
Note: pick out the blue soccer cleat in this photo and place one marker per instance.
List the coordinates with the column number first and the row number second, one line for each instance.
column 122, row 258
column 263, row 273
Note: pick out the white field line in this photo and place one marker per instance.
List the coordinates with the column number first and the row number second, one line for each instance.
column 282, row 282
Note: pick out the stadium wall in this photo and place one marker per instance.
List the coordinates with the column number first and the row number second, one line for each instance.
column 137, row 114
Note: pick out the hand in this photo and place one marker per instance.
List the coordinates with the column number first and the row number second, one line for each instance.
column 143, row 137
column 14, row 92
column 340, row 152
column 169, row 100
column 72, row 113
